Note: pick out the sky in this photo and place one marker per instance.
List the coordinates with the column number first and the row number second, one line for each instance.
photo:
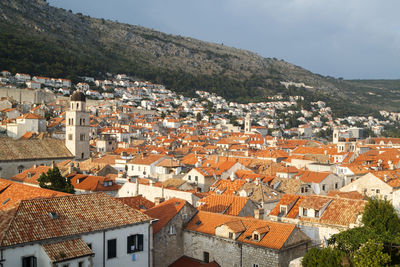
column 353, row 39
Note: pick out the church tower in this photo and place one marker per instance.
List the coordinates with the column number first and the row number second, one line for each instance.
column 335, row 136
column 247, row 123
column 77, row 127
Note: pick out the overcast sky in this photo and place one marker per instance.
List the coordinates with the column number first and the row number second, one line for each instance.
column 341, row 38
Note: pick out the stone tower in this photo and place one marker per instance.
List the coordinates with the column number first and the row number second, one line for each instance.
column 247, row 123
column 77, row 127
column 335, row 136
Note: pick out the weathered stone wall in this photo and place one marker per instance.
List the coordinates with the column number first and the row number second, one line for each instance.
column 293, row 253
column 224, row 251
column 27, row 95
column 169, row 247
column 229, row 253
column 261, row 256
column 10, row 168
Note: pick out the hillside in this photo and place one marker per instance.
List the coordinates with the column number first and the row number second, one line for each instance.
column 41, row 39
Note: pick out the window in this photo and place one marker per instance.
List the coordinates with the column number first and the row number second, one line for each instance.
column 83, row 155
column 20, row 168
column 323, row 187
column 283, row 210
column 196, row 178
column 29, row 261
column 134, row 243
column 69, row 136
column 206, row 257
column 255, row 265
column 80, row 121
column 189, row 177
column 336, row 185
column 132, row 168
column 316, row 213
column 82, row 137
column 255, row 237
column 378, row 191
column 304, row 212
column 111, row 248
column 230, row 235
column 80, row 264
column 171, row 230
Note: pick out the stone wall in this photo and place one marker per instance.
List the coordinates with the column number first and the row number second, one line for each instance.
column 224, row 251
column 10, row 168
column 27, row 95
column 261, row 256
column 168, row 247
column 230, row 253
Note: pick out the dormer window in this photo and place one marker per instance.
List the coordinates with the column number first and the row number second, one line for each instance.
column 283, row 210
column 304, row 212
column 316, row 213
column 256, row 237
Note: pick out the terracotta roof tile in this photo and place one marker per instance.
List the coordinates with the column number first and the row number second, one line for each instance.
column 75, row 214
column 164, row 212
column 11, row 193
column 67, row 249
column 226, row 204
column 137, row 202
column 278, row 234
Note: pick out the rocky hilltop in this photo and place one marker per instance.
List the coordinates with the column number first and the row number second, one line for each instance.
column 182, row 63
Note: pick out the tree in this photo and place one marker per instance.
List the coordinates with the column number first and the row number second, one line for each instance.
column 54, row 181
column 370, row 254
column 327, row 257
column 381, row 219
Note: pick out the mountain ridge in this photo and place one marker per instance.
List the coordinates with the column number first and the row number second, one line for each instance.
column 183, row 63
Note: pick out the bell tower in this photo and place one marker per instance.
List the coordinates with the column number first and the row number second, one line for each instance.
column 247, row 123
column 77, row 127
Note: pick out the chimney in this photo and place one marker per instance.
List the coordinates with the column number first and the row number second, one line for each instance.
column 53, row 164
column 35, row 166
column 259, row 214
column 158, row 200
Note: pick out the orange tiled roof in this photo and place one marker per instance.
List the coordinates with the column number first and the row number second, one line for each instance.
column 164, row 212
column 226, row 204
column 275, row 238
column 75, row 214
column 11, row 193
column 71, row 249
column 136, row 202
column 31, row 175
column 313, row 177
column 92, row 183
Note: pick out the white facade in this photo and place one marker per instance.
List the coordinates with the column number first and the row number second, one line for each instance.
column 98, row 243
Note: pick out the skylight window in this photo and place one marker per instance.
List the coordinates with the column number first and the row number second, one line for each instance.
column 53, row 215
